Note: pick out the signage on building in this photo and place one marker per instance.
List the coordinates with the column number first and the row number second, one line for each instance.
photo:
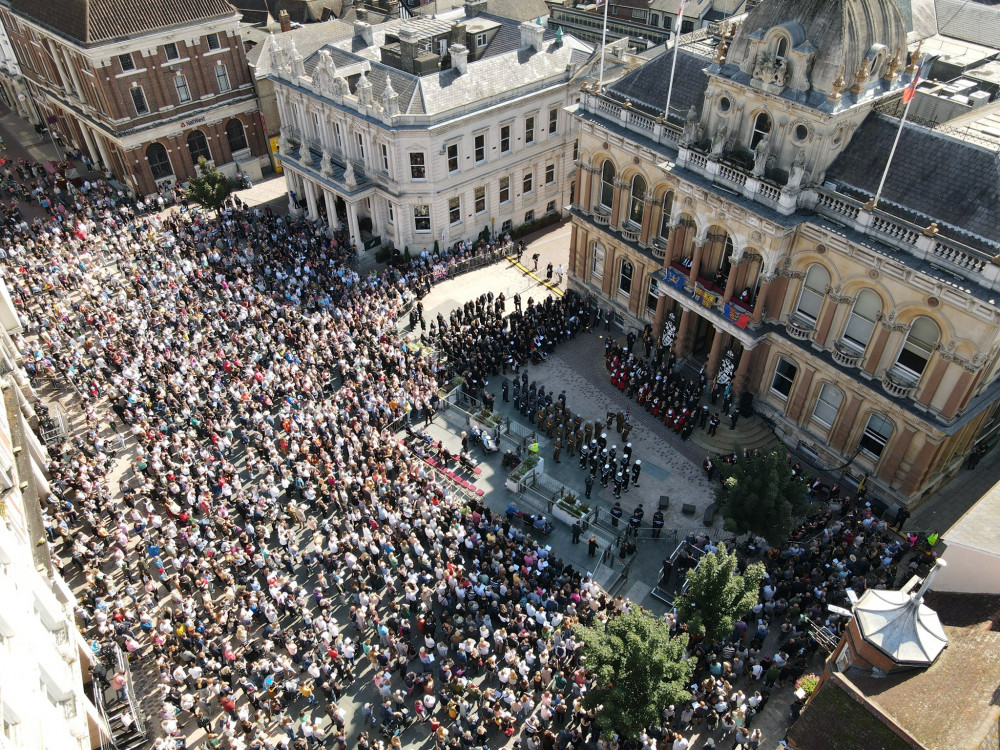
column 275, row 159
column 193, row 121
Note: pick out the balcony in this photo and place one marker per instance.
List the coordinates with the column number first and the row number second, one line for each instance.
column 659, row 248
column 799, row 330
column 600, row 217
column 897, row 384
column 846, row 355
column 630, row 233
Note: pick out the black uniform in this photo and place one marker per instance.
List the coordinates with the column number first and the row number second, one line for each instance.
column 616, row 513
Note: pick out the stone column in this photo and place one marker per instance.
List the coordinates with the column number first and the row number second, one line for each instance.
column 574, row 239
column 292, row 181
column 741, row 374
column 352, row 224
column 683, row 334
column 761, row 303
column 312, row 212
column 715, row 354
column 647, row 220
column 616, row 203
column 659, row 317
column 332, row 222
column 587, row 190
column 699, row 251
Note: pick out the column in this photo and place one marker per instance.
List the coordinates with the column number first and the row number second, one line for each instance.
column 647, row 220
column 352, row 223
column 574, row 238
column 674, row 241
column 681, row 342
column 892, row 459
column 103, row 149
column 715, row 354
column 312, row 212
column 699, row 251
column 292, row 184
column 958, row 393
column 587, row 194
column 735, row 263
column 659, row 317
column 332, row 222
column 872, row 362
column 797, row 401
column 616, row 202
column 376, row 216
column 760, row 304
column 742, row 371
column 844, row 425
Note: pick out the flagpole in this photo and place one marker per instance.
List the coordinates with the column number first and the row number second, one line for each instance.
column 892, row 151
column 604, row 37
column 673, row 66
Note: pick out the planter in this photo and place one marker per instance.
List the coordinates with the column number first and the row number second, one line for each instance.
column 567, row 517
column 512, row 484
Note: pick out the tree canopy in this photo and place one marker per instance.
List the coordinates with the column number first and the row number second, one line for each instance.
column 761, row 496
column 718, row 595
column 210, row 188
column 639, row 669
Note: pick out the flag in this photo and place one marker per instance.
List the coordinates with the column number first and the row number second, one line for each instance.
column 735, row 315
column 680, row 15
column 675, row 279
column 706, row 299
column 911, row 90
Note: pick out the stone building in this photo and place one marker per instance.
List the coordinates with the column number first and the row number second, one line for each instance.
column 143, row 87
column 742, row 229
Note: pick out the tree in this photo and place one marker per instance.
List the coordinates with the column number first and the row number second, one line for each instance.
column 211, row 188
column 638, row 668
column 760, row 495
column 717, row 594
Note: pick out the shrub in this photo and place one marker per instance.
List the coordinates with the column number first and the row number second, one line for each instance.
column 807, row 683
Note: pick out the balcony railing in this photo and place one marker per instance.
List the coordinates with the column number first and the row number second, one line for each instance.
column 846, row 355
column 630, row 233
column 896, row 385
column 600, row 217
column 798, row 330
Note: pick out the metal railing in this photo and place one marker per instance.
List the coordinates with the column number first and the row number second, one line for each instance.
column 133, row 703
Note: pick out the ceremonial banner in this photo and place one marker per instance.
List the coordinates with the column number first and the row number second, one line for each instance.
column 707, row 299
column 736, row 315
column 675, row 278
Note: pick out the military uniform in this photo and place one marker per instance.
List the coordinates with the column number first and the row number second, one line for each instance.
column 556, row 449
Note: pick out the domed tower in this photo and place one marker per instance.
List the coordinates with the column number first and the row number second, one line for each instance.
column 797, row 77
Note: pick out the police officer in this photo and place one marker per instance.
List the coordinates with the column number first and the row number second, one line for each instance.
column 517, row 391
column 636, row 520
column 618, row 484
column 616, row 513
column 589, row 482
column 505, row 388
column 657, row 524
column 636, row 469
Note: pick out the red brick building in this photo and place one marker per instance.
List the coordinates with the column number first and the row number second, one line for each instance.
column 144, row 87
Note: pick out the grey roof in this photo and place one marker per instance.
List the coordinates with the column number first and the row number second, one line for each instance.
column 938, row 177
column 308, row 40
column 974, row 22
column 647, row 85
column 515, row 10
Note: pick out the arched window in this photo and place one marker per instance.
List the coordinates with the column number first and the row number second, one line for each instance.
column 876, row 436
column 637, row 200
column 597, row 262
column 236, row 135
column 813, row 292
column 625, row 278
column 861, row 323
column 725, row 261
column 198, row 146
column 761, row 127
column 918, row 347
column 827, row 405
column 607, row 184
column 666, row 207
column 781, row 49
column 159, row 161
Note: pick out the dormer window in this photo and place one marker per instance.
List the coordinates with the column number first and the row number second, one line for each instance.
column 761, row 128
column 781, row 49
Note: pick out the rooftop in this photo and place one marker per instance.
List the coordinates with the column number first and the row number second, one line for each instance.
column 979, row 528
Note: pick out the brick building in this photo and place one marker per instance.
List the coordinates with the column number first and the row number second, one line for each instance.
column 143, row 87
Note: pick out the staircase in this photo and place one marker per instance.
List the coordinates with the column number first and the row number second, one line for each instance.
column 749, row 433
column 130, row 738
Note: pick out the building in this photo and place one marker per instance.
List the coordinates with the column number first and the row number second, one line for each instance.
column 144, row 88
column 44, row 661
column 972, row 549
column 424, row 131
column 743, row 230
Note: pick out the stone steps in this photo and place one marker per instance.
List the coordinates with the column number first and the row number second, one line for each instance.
column 748, row 434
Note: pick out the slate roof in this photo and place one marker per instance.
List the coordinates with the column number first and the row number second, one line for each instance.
column 515, row 10
column 309, row 39
column 974, row 22
column 255, row 11
column 934, row 176
column 647, row 85
column 90, row 22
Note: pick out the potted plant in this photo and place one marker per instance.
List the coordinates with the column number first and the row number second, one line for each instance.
column 807, row 684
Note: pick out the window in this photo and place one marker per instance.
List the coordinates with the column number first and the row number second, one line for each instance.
column 550, row 174
column 222, row 77
column 781, row 50
column 139, row 100
column 529, row 216
column 918, row 347
column 480, row 147
column 236, row 135
column 417, row 169
column 481, row 39
column 813, row 292
column 861, row 323
column 504, row 190
column 452, row 157
column 576, row 150
column 392, row 212
column 827, row 405
column 529, row 130
column 784, row 376
column 597, row 262
column 507, row 225
column 183, row 92
column 213, row 41
column 761, row 127
column 455, row 210
column 553, row 121
column 170, row 50
column 361, row 147
column 550, row 207
column 421, row 219
column 637, row 199
column 607, row 184
column 480, row 195
column 339, row 136
column 876, row 436
column 198, row 146
column 504, row 139
column 159, row 161
column 666, row 206
column 384, row 150
column 638, row 14
column 625, row 277
column 527, row 185
column 652, row 296
column 127, row 62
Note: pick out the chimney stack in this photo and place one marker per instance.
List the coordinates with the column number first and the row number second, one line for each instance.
column 459, row 58
column 531, row 35
column 474, row 8
column 364, row 30
column 285, row 20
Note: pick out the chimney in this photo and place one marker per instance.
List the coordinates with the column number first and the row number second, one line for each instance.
column 474, row 8
column 285, row 20
column 459, row 58
column 531, row 35
column 362, row 14
column 364, row 30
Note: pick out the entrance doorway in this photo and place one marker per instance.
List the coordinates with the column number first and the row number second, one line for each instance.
column 704, row 335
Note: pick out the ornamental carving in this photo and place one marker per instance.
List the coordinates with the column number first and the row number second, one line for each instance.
column 770, row 71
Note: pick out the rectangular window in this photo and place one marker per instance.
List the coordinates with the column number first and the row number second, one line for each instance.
column 421, row 219
column 504, row 190
column 170, row 50
column 597, row 262
column 361, row 147
column 625, row 274
column 507, row 225
column 339, row 136
column 127, row 62
column 417, row 169
column 213, row 41
column 784, row 376
column 827, row 405
column 392, row 213
column 550, row 174
column 505, row 139
column 576, row 150
column 651, row 295
column 385, row 156
column 480, row 200
column 876, row 436
column 529, row 130
column 553, row 121
column 480, row 141
column 455, row 210
column 452, row 157
column 481, row 39
column 550, row 207
column 222, row 76
column 139, row 100
column 528, row 186
column 529, row 216
column 183, row 92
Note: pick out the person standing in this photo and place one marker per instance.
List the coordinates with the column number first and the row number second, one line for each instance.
column 657, row 524
column 589, row 482
column 534, row 259
column 592, row 546
column 576, row 532
column 636, row 469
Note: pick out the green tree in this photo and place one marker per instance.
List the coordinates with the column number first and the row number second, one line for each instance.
column 211, row 188
column 639, row 669
column 760, row 495
column 717, row 594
